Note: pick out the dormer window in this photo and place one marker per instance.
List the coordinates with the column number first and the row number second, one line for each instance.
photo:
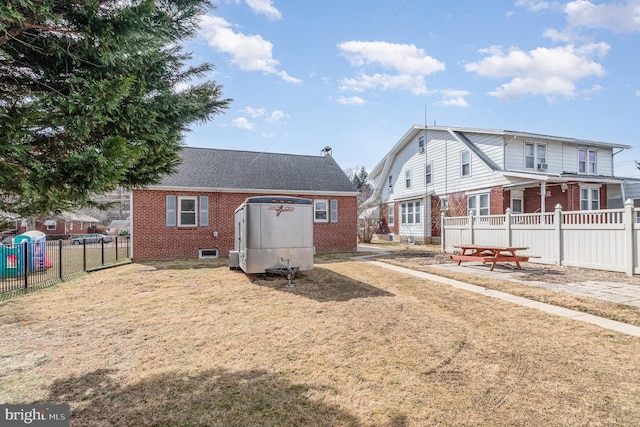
column 535, row 156
column 587, row 161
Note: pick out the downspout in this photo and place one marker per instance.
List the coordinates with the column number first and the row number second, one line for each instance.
column 613, row 174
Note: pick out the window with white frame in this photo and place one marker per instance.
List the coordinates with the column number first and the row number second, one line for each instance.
column 51, row 224
column 421, row 144
column 444, row 203
column 516, row 205
column 391, row 214
column 589, row 198
column 428, row 176
column 334, row 210
column 390, row 182
column 535, row 155
column 465, row 163
column 188, row 208
column 183, row 211
column 478, row 204
column 320, row 211
column 517, row 201
column 410, row 212
column 407, row 178
column 587, row 161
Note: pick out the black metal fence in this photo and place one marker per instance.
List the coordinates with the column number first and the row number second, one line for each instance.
column 29, row 263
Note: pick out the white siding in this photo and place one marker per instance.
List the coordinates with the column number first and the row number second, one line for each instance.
column 444, row 151
column 491, row 145
column 604, row 157
column 561, row 157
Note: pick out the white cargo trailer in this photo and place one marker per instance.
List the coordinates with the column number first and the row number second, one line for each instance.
column 273, row 233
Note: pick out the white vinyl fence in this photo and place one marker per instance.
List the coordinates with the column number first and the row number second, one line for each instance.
column 603, row 240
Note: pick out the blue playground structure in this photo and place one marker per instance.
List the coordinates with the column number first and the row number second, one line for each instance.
column 13, row 259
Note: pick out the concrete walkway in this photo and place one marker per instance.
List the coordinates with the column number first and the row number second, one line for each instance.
column 548, row 308
column 615, row 292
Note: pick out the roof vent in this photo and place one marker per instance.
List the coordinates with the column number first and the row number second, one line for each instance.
column 326, row 151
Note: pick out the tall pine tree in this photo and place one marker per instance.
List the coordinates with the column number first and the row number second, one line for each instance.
column 89, row 99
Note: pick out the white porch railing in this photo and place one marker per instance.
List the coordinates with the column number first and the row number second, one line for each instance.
column 603, row 240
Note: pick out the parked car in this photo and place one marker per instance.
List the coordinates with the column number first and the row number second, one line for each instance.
column 7, row 235
column 91, row 238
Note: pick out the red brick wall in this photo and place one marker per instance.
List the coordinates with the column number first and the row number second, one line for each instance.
column 153, row 240
column 496, row 201
column 78, row 228
column 569, row 199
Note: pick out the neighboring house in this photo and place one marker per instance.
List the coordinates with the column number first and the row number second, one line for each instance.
column 190, row 214
column 462, row 170
column 63, row 225
column 118, row 224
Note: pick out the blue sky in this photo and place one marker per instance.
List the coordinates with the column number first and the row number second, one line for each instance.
column 356, row 75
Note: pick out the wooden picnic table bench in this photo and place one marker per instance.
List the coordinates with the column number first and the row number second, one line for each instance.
column 490, row 254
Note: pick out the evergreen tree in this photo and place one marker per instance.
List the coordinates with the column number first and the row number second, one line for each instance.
column 89, row 99
column 360, row 181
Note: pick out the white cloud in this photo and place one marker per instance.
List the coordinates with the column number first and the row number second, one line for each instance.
column 243, row 123
column 248, row 52
column 453, row 98
column 181, row 87
column 541, row 71
column 405, row 66
column 616, row 17
column 253, row 112
column 264, row 7
column 538, row 5
column 638, row 93
column 351, row 100
column 365, row 82
column 276, row 116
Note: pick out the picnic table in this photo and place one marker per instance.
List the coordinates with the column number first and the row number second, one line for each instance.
column 490, row 254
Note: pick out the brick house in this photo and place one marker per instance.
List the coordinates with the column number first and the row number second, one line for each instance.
column 62, row 225
column 190, row 214
column 459, row 171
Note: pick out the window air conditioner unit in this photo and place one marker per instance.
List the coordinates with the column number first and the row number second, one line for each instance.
column 542, row 166
column 391, row 189
column 421, row 150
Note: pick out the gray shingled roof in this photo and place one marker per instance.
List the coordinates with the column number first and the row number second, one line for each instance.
column 229, row 169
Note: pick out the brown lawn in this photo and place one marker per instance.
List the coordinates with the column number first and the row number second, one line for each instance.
column 350, row 344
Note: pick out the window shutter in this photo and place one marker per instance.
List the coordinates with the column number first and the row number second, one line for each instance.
column 334, row 211
column 171, row 211
column 204, row 211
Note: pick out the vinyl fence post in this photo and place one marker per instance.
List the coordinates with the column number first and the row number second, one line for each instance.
column 557, row 234
column 471, row 233
column 507, row 226
column 629, row 234
column 443, row 233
